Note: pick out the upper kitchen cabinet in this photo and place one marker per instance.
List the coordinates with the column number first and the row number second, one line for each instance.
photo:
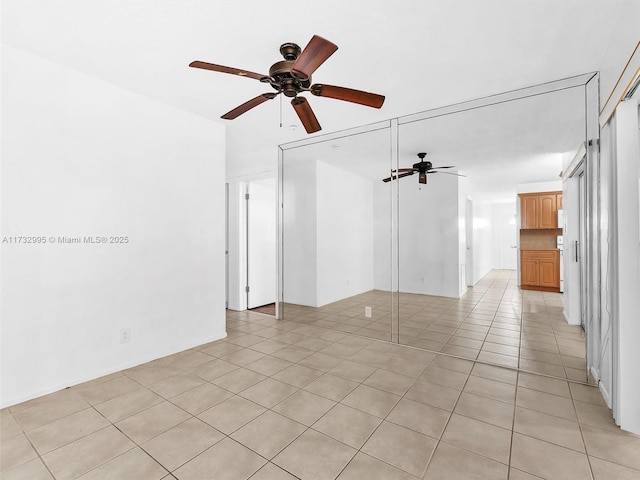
column 539, row 210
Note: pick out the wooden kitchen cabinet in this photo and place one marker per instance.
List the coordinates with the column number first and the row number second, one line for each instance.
column 530, row 269
column 540, row 270
column 529, row 211
column 539, row 210
column 548, row 217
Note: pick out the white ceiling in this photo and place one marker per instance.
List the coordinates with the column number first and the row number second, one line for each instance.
column 497, row 146
column 421, row 54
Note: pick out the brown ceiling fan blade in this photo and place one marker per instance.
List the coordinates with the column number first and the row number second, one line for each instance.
column 348, row 95
column 404, row 170
column 223, row 69
column 394, row 177
column 422, row 178
column 306, row 115
column 246, row 106
column 450, row 166
column 314, row 54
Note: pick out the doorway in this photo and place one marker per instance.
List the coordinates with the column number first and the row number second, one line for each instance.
column 469, row 243
column 261, row 243
column 508, row 241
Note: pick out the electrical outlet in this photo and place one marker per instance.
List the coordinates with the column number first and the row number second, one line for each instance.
column 367, row 312
column 125, row 335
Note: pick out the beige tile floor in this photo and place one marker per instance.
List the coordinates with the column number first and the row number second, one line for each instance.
column 494, row 322
column 284, row 400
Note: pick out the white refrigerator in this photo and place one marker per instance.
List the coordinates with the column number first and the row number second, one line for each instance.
column 560, row 246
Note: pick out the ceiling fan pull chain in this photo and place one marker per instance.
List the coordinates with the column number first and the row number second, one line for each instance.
column 280, row 111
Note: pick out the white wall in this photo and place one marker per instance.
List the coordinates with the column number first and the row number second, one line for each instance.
column 482, row 235
column 539, row 187
column 82, row 157
column 432, row 244
column 237, row 272
column 328, row 233
column 426, row 213
column 345, row 234
column 382, row 271
column 428, row 236
column 300, row 233
column 483, row 238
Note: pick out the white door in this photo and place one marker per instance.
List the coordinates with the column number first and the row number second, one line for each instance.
column 469, row 241
column 508, row 242
column 261, row 243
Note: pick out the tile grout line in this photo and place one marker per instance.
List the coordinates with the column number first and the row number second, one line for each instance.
column 446, row 425
column 385, row 418
column 586, row 450
column 339, row 402
column 480, row 361
column 513, row 424
column 39, row 456
column 474, row 361
column 336, row 403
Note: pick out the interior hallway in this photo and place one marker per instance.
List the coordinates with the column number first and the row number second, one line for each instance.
column 283, row 400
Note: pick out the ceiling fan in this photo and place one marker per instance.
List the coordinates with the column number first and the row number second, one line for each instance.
column 422, row 167
column 292, row 76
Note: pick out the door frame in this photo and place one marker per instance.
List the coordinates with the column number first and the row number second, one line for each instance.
column 237, row 233
column 226, row 244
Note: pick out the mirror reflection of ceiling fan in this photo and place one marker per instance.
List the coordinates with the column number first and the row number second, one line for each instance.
column 292, row 76
column 423, row 168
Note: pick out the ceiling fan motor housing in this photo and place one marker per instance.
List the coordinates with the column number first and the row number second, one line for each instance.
column 423, row 166
column 284, row 81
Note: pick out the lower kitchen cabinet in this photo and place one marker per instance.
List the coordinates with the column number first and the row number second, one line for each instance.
column 540, row 270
